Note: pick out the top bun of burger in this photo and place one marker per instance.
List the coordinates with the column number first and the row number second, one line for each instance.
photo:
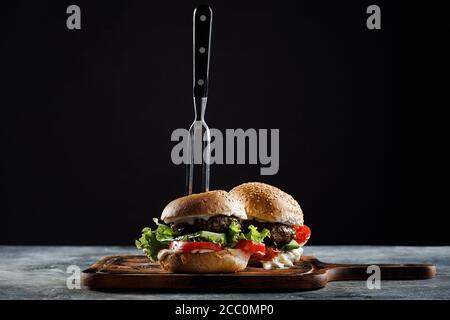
column 211, row 203
column 268, row 203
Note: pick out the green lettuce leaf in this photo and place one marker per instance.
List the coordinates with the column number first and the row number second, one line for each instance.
column 255, row 235
column 163, row 232
column 234, row 233
column 150, row 243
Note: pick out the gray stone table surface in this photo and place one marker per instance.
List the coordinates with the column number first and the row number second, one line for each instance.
column 39, row 272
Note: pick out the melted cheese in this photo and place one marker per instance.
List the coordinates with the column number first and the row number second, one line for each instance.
column 283, row 260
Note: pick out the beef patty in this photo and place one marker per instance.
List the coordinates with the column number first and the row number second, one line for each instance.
column 218, row 224
column 280, row 234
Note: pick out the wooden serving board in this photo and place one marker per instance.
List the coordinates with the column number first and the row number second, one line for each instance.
column 136, row 272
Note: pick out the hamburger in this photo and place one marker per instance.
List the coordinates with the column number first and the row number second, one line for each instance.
column 269, row 208
column 201, row 233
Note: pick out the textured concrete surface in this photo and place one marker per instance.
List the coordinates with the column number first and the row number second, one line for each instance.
column 40, row 273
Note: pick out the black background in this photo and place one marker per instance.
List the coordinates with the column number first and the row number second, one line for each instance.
column 87, row 115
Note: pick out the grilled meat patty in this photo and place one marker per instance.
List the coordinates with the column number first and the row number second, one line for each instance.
column 280, row 234
column 218, row 224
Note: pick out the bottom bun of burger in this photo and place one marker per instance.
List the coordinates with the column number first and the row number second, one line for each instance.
column 223, row 261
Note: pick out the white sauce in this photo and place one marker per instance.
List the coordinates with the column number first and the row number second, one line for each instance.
column 283, row 260
column 164, row 252
column 201, row 251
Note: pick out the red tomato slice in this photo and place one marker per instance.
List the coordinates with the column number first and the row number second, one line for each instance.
column 258, row 256
column 187, row 246
column 302, row 234
column 270, row 253
column 255, row 248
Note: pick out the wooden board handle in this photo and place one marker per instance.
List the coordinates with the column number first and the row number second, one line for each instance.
column 339, row 272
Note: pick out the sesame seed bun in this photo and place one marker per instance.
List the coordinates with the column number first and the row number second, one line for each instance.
column 211, row 203
column 268, row 203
